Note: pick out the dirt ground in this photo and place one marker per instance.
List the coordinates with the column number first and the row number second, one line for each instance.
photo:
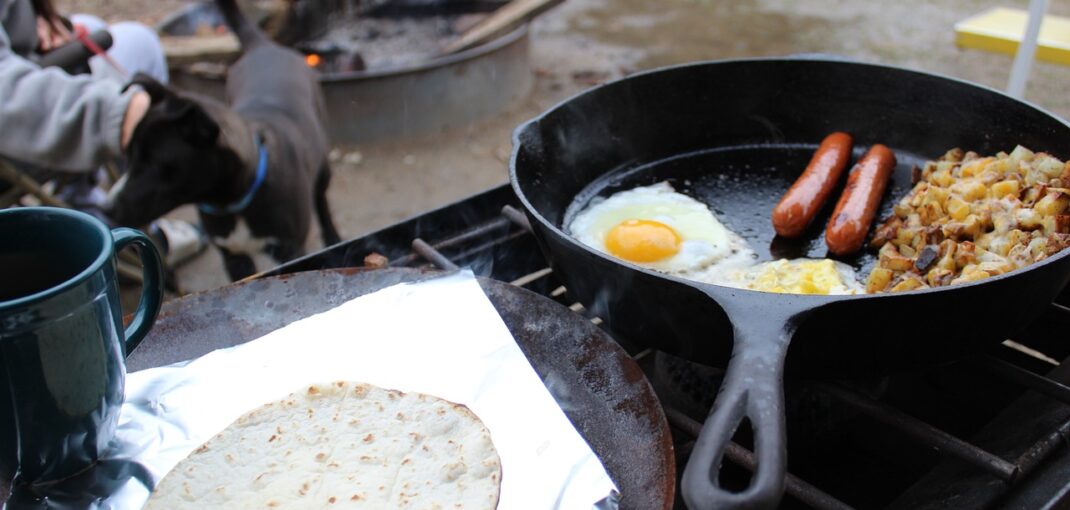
column 583, row 42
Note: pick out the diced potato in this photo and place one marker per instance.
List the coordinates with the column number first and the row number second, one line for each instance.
column 919, row 241
column 989, row 177
column 1020, row 255
column 911, row 283
column 1016, row 237
column 984, row 216
column 972, row 168
column 930, row 213
column 902, row 209
column 958, row 209
column 1055, row 202
column 915, row 199
column 954, row 155
column 1018, row 155
column 1062, row 224
column 969, row 189
column 968, row 228
column 968, row 218
column 1033, row 193
column 973, row 225
column 1028, row 219
column 879, row 279
column 1024, row 168
column 906, row 235
column 933, row 234
column 890, row 258
column 927, row 171
column 970, row 274
column 994, row 268
column 1003, row 221
column 936, row 195
column 1048, row 166
column 945, row 167
column 996, row 244
column 1038, row 246
column 938, row 277
column 1056, row 243
column 886, row 232
column 944, row 179
column 1005, row 188
column 1065, row 176
column 947, row 261
column 965, row 254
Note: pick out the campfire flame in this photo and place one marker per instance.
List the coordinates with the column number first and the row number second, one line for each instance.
column 313, row 60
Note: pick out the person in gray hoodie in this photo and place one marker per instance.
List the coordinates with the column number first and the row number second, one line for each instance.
column 49, row 118
column 73, row 123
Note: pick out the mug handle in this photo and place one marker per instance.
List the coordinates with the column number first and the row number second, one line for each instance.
column 151, row 288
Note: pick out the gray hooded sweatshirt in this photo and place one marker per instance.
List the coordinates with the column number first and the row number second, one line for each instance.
column 49, row 118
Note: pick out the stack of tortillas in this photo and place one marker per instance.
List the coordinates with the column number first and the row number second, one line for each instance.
column 342, row 445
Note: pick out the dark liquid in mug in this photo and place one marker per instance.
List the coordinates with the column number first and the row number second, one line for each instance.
column 32, row 272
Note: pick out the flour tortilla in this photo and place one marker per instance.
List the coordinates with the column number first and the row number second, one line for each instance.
column 342, row 445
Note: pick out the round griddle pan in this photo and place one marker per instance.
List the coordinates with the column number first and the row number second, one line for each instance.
column 599, row 387
column 735, row 135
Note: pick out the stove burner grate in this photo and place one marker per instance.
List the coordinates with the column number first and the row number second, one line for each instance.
column 1003, row 388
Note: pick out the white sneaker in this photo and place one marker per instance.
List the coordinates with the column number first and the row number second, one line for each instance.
column 179, row 240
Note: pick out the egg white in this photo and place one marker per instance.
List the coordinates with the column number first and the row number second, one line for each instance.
column 704, row 240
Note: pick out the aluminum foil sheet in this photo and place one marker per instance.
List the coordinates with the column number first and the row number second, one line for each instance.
column 440, row 337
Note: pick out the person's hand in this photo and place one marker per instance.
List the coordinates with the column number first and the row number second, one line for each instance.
column 135, row 111
column 51, row 35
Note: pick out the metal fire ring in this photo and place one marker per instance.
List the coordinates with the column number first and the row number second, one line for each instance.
column 414, row 100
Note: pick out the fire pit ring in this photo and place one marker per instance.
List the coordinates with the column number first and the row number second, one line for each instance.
column 406, row 101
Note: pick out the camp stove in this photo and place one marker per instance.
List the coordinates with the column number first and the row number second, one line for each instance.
column 990, row 431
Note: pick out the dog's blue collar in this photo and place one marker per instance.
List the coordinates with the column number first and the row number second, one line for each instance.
column 241, row 204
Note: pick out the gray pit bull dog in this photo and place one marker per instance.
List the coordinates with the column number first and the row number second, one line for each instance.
column 256, row 169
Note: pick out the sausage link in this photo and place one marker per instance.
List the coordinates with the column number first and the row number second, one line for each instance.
column 807, row 196
column 858, row 205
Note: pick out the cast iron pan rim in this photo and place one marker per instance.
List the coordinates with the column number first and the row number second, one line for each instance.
column 817, row 299
column 801, row 58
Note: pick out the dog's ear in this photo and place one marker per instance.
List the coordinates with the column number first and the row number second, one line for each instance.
column 195, row 124
column 184, row 117
column 156, row 90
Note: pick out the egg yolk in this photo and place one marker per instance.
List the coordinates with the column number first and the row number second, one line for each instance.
column 642, row 241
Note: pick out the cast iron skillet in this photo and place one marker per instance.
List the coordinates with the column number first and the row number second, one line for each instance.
column 734, row 135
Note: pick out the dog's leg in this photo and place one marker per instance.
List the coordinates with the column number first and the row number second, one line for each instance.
column 284, row 251
column 238, row 265
column 323, row 210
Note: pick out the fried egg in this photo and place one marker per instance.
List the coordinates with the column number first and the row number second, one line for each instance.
column 795, row 276
column 658, row 228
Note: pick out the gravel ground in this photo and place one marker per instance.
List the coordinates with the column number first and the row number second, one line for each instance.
column 584, row 42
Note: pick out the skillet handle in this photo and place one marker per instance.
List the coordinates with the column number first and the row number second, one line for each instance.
column 752, row 388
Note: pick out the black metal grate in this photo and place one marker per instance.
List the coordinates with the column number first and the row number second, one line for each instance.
column 1015, row 400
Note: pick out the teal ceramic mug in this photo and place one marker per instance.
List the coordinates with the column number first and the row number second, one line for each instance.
column 62, row 340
